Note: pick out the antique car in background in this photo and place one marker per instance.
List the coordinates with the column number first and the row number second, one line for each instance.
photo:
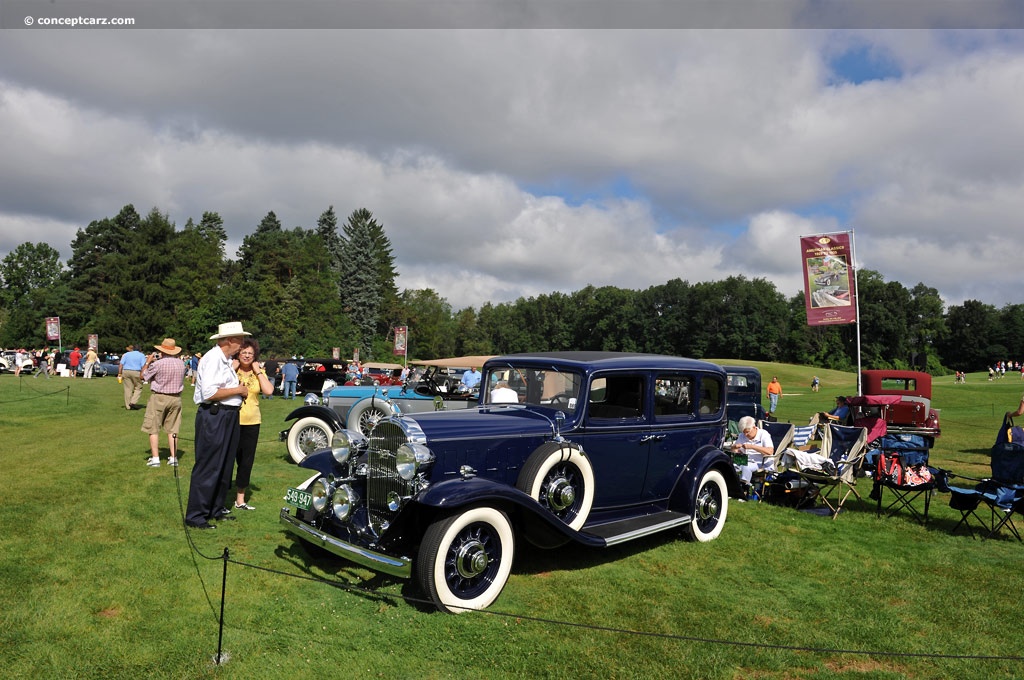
column 378, row 373
column 904, row 402
column 359, row 407
column 743, row 393
column 314, row 372
column 7, row 361
column 602, row 448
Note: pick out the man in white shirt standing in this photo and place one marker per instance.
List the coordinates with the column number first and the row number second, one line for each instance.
column 218, row 395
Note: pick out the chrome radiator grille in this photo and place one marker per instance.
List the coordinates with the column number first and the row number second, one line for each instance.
column 383, row 485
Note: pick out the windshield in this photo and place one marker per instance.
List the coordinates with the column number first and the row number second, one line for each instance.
column 511, row 384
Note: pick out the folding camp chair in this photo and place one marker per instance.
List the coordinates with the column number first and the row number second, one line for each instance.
column 1004, row 502
column 803, row 435
column 901, row 466
column 781, row 434
column 782, row 437
column 1003, row 493
column 842, row 453
column 966, row 502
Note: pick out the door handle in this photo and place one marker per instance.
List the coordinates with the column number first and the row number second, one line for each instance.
column 651, row 438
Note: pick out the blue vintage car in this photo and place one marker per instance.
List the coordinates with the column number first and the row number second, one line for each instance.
column 743, row 396
column 595, row 448
column 360, row 407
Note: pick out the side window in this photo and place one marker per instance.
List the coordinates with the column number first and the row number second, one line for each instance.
column 674, row 396
column 617, row 397
column 711, row 395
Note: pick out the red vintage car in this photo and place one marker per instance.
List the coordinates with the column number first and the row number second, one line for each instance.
column 901, row 398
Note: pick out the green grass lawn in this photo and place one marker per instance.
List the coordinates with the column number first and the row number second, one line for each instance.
column 98, row 579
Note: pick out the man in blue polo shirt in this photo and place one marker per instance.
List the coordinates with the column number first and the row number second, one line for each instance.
column 129, row 374
column 470, row 379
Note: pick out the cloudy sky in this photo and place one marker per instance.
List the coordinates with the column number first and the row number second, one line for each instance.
column 519, row 161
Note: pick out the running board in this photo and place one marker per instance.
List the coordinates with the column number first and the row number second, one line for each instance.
column 614, row 533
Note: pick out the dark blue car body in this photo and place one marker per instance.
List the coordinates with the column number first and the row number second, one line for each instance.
column 595, row 448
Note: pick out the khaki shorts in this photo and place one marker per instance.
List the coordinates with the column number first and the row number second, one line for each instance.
column 162, row 410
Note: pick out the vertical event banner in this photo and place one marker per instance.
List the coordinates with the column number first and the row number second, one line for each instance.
column 828, row 279
column 53, row 328
column 93, row 341
column 401, row 340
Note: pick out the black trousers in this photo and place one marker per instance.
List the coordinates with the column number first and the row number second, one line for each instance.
column 246, row 456
column 216, row 441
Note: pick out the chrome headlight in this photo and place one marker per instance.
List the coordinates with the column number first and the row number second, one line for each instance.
column 345, row 499
column 312, row 400
column 410, row 457
column 321, row 491
column 345, row 443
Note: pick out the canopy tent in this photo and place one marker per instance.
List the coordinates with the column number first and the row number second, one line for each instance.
column 455, row 362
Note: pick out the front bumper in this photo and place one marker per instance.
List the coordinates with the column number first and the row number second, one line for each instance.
column 395, row 566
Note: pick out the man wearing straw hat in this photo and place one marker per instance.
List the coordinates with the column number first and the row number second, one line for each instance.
column 218, row 395
column 165, row 373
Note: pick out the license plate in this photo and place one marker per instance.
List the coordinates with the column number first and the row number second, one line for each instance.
column 299, row 498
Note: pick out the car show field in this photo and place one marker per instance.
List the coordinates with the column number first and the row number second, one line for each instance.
column 99, row 579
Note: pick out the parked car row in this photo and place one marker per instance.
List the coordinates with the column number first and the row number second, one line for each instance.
column 108, row 363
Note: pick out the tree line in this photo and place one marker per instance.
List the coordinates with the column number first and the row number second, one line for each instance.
column 134, row 279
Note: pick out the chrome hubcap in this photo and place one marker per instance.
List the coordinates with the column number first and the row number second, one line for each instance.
column 471, row 560
column 707, row 506
column 560, row 494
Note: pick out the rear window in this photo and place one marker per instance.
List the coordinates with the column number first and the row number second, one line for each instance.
column 904, row 384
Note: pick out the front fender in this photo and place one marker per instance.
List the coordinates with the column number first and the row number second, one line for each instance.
column 321, row 461
column 378, row 400
column 458, row 493
column 329, row 416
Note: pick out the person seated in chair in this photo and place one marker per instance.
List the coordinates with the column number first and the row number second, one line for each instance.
column 840, row 415
column 757, row 445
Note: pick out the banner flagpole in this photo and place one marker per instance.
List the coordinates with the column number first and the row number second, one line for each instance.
column 856, row 296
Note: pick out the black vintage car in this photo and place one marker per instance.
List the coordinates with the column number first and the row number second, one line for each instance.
column 315, row 372
column 599, row 448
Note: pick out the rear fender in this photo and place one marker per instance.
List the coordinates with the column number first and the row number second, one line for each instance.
column 708, row 458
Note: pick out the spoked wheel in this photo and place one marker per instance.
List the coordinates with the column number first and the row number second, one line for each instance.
column 560, row 478
column 710, row 507
column 365, row 416
column 465, row 559
column 307, row 435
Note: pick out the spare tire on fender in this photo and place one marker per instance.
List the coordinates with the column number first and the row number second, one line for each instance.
column 558, row 475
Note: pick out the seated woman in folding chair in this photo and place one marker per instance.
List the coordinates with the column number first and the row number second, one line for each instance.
column 757, row 444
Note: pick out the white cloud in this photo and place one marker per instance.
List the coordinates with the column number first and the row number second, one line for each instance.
column 514, row 163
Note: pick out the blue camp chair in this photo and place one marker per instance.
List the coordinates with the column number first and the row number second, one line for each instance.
column 907, row 476
column 1002, row 494
column 782, row 437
